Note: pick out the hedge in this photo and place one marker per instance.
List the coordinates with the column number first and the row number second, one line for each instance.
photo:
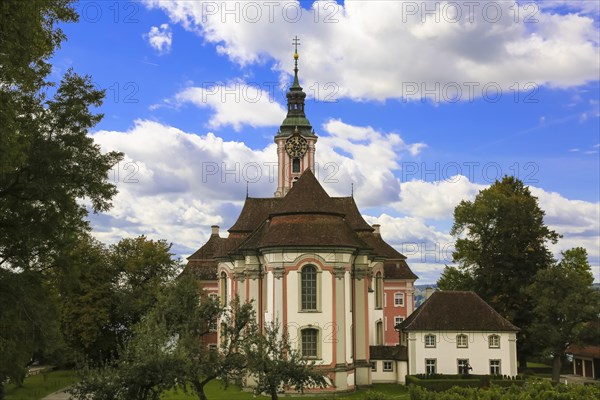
column 533, row 390
column 441, row 383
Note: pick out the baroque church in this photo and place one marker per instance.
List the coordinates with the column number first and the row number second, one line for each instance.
column 312, row 263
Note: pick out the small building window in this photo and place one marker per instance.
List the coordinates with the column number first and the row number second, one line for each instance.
column 399, row 299
column 398, row 320
column 462, row 341
column 378, row 290
column 379, row 333
column 495, row 367
column 388, row 366
column 212, row 347
column 494, row 341
column 296, row 165
column 223, row 285
column 463, row 366
column 430, row 366
column 308, row 288
column 374, row 366
column 309, row 343
column 429, row 340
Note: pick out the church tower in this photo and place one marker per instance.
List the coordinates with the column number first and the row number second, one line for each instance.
column 296, row 138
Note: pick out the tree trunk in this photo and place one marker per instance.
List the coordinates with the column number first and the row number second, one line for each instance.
column 274, row 394
column 522, row 363
column 199, row 387
column 556, row 363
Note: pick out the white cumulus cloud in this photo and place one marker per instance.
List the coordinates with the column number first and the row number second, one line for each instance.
column 437, row 50
column 160, row 38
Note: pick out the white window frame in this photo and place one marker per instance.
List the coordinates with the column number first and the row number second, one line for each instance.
column 431, row 362
column 398, row 299
column 317, row 343
column 499, row 366
column 388, row 366
column 462, row 341
column 398, row 320
column 430, row 345
column 466, row 365
column 373, row 366
column 491, row 340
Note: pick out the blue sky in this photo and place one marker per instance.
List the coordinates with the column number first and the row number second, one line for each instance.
column 196, row 91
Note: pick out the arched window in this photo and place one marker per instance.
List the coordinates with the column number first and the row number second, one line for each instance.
column 379, row 333
column 308, row 288
column 310, row 343
column 462, row 341
column 223, row 284
column 378, row 290
column 494, row 341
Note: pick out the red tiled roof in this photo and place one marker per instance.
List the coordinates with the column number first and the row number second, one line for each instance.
column 456, row 311
column 348, row 207
column 379, row 245
column 208, row 250
column 584, row 351
column 307, row 196
column 397, row 269
column 254, row 212
column 304, row 230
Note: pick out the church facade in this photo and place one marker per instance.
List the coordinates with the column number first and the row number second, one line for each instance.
column 311, row 262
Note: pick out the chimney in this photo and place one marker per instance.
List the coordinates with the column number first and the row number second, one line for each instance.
column 428, row 292
column 214, row 230
column 376, row 227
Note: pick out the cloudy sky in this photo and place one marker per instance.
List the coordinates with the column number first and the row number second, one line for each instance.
column 417, row 105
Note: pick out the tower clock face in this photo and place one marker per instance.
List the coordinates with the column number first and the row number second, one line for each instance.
column 296, row 146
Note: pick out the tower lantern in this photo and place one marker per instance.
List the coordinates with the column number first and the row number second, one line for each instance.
column 296, row 138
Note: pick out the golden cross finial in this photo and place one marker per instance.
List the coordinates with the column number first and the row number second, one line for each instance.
column 296, row 43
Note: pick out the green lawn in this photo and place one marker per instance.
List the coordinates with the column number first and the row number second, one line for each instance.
column 38, row 386
column 214, row 391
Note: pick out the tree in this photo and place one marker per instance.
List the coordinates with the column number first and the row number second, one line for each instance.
column 168, row 348
column 564, row 303
column 275, row 364
column 48, row 160
column 501, row 244
column 105, row 292
column 28, row 325
column 454, row 279
column 48, row 166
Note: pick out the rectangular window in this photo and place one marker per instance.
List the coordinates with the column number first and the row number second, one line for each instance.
column 308, row 277
column 430, row 366
column 494, row 341
column 429, row 340
column 309, row 343
column 296, row 165
column 463, row 366
column 398, row 320
column 374, row 366
column 399, row 299
column 495, row 367
column 388, row 366
column 462, row 341
column 212, row 347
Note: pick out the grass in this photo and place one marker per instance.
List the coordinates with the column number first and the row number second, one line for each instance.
column 214, row 391
column 38, row 386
